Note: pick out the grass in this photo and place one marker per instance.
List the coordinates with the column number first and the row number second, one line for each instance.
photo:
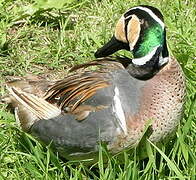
column 37, row 36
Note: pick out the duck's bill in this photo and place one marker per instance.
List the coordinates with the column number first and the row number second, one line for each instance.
column 111, row 47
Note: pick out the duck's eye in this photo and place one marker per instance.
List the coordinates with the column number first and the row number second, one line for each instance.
column 141, row 21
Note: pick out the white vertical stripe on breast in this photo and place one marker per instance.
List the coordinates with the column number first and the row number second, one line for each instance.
column 118, row 110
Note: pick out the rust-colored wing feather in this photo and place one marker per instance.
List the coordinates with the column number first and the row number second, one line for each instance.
column 76, row 88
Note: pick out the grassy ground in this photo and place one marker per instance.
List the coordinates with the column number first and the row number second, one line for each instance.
column 35, row 37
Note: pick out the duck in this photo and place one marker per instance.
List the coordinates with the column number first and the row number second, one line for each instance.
column 113, row 101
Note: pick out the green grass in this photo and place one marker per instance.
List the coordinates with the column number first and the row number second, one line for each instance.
column 37, row 36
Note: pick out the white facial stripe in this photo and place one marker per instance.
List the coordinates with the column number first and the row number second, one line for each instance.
column 143, row 60
column 127, row 17
column 117, row 109
column 151, row 14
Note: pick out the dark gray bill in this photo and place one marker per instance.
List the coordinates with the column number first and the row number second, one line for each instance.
column 111, row 47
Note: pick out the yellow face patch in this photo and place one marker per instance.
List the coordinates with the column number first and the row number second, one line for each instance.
column 120, row 30
column 133, row 31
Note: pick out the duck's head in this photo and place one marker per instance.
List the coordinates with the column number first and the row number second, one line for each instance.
column 141, row 30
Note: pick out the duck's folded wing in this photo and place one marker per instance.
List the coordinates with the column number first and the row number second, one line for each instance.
column 75, row 89
column 106, row 63
column 38, row 106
